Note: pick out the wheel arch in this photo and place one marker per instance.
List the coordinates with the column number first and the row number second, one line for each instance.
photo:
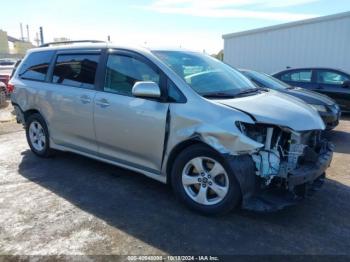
column 27, row 113
column 177, row 150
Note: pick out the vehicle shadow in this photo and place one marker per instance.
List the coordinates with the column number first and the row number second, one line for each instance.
column 148, row 210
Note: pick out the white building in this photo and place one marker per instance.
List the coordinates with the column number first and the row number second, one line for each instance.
column 319, row 42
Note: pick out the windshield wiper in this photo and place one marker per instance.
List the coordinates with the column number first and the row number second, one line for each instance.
column 249, row 90
column 218, row 95
column 252, row 90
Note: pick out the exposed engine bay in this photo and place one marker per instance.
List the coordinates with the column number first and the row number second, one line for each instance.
column 284, row 151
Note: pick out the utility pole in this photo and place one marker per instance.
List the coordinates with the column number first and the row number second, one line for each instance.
column 41, row 35
column 28, row 39
column 21, row 27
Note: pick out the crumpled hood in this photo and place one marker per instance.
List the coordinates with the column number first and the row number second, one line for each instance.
column 279, row 109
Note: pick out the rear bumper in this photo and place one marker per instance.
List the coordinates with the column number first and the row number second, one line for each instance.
column 288, row 191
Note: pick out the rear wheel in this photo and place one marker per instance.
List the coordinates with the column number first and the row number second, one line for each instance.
column 38, row 135
column 203, row 180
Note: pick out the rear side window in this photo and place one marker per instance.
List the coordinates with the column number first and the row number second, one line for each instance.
column 298, row 76
column 76, row 70
column 123, row 71
column 36, row 65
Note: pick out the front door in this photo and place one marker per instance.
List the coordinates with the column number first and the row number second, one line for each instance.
column 330, row 82
column 130, row 130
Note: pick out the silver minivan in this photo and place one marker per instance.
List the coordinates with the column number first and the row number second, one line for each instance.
column 179, row 117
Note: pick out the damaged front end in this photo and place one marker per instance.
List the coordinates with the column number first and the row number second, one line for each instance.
column 290, row 166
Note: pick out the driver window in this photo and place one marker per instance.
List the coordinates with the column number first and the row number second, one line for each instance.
column 123, row 72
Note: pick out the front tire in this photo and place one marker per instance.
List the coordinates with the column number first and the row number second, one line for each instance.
column 202, row 179
column 38, row 135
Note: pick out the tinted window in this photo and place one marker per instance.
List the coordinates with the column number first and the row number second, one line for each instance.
column 297, row 76
column 36, row 65
column 123, row 71
column 331, row 78
column 76, row 70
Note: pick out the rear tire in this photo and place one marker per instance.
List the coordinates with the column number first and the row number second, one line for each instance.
column 202, row 179
column 38, row 136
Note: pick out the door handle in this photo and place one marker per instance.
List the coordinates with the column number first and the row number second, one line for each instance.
column 85, row 99
column 102, row 102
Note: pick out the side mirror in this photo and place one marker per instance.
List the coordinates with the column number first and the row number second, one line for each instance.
column 346, row 84
column 146, row 89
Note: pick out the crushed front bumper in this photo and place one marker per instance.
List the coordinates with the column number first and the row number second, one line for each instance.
column 311, row 171
column 299, row 183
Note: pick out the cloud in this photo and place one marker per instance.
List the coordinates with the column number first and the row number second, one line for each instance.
column 288, row 3
column 230, row 8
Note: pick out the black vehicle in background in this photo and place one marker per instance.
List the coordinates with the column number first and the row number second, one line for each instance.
column 327, row 108
column 331, row 82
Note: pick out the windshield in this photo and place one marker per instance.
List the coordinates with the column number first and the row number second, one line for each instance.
column 266, row 80
column 206, row 75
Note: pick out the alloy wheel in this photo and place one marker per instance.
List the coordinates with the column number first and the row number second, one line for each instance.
column 205, row 181
column 37, row 136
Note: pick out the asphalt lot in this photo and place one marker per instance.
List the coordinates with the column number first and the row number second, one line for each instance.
column 73, row 205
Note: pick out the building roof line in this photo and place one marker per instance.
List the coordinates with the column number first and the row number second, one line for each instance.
column 287, row 25
column 13, row 39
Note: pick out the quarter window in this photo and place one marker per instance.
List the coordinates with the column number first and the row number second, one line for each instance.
column 174, row 94
column 76, row 70
column 331, row 78
column 35, row 67
column 123, row 71
column 298, row 76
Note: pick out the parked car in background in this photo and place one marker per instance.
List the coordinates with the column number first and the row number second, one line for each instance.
column 7, row 62
column 5, row 89
column 331, row 82
column 179, row 117
column 3, row 94
column 326, row 107
column 7, row 67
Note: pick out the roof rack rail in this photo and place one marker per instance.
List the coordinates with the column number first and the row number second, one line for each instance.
column 71, row 42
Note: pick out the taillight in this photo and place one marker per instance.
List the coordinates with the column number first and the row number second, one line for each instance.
column 10, row 88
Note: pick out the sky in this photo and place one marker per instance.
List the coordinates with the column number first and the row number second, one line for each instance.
column 191, row 24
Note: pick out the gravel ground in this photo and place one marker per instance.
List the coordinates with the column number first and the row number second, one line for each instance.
column 73, row 205
column 7, row 112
